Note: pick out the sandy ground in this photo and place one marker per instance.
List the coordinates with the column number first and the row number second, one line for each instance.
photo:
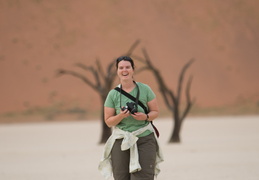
column 225, row 148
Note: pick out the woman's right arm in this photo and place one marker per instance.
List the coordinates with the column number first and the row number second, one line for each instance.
column 110, row 117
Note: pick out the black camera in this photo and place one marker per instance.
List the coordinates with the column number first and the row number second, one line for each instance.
column 131, row 106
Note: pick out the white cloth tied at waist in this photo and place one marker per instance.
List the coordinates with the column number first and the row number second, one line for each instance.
column 128, row 142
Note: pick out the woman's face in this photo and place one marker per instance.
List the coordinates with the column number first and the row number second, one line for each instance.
column 125, row 70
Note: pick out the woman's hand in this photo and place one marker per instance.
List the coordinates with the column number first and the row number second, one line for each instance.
column 110, row 117
column 139, row 116
column 124, row 113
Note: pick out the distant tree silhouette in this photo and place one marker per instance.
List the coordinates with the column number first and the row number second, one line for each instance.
column 171, row 99
column 102, row 83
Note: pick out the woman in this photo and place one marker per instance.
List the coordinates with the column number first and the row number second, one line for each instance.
column 132, row 151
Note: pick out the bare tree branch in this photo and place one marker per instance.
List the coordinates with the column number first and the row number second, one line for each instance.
column 78, row 75
column 180, row 82
column 138, row 58
column 171, row 100
column 162, row 86
column 93, row 71
column 100, row 69
column 133, row 47
column 188, row 98
column 103, row 83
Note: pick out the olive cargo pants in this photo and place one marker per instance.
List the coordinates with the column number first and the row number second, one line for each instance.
column 147, row 147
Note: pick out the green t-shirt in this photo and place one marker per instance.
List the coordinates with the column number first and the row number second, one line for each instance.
column 130, row 124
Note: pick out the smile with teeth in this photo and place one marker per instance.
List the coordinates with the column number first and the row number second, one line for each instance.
column 125, row 74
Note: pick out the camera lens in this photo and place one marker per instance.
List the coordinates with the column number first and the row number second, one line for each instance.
column 132, row 107
column 124, row 108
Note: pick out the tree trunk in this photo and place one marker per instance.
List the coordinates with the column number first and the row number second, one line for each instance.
column 175, row 137
column 106, row 131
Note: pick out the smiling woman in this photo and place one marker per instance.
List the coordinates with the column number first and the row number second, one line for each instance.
column 133, row 135
column 125, row 70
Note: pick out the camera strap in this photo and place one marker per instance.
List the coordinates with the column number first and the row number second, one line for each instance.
column 136, row 100
column 139, row 102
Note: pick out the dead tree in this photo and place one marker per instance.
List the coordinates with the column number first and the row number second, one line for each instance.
column 172, row 100
column 102, row 83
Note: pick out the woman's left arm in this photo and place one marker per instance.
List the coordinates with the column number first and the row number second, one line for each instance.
column 153, row 109
column 153, row 112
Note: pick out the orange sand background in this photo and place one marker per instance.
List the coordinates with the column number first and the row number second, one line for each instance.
column 38, row 37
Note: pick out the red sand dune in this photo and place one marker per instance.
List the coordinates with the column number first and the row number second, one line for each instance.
column 38, row 37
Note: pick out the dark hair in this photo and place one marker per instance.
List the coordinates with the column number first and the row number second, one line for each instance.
column 125, row 58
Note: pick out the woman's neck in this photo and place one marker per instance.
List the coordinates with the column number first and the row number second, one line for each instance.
column 128, row 85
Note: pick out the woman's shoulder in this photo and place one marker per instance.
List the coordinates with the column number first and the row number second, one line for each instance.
column 143, row 85
column 114, row 91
